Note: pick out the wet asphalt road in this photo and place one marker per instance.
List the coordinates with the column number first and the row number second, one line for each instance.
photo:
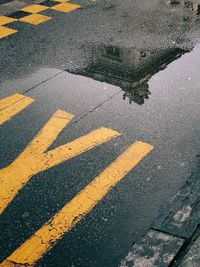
column 85, row 62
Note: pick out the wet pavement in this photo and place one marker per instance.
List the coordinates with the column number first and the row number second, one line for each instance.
column 130, row 66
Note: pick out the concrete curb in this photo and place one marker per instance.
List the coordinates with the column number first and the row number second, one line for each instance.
column 174, row 237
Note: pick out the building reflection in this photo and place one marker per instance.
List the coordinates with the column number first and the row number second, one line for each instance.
column 130, row 69
column 193, row 5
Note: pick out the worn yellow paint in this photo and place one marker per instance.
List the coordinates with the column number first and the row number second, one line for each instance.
column 5, row 31
column 34, row 8
column 10, row 100
column 61, row 1
column 12, row 105
column 35, row 19
column 65, row 7
column 5, row 20
column 34, row 159
column 43, row 239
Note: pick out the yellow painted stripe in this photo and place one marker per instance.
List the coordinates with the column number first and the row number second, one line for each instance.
column 5, row 20
column 42, row 241
column 12, row 105
column 34, row 159
column 35, row 8
column 61, row 1
column 65, row 7
column 10, row 100
column 35, row 19
column 5, row 31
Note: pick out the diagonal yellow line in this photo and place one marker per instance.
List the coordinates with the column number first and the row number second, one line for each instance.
column 34, row 159
column 65, row 7
column 43, row 240
column 12, row 105
column 6, row 31
column 35, row 8
column 10, row 100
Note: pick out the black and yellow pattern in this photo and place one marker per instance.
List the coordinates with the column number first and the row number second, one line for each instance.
column 31, row 14
column 6, row 31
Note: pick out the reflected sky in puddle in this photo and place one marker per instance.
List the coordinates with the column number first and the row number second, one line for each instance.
column 145, row 38
column 147, row 53
column 130, row 69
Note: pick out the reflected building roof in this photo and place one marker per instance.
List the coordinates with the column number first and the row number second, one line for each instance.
column 193, row 5
column 130, row 69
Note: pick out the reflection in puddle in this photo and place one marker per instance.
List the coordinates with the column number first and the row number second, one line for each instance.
column 193, row 5
column 130, row 69
column 145, row 38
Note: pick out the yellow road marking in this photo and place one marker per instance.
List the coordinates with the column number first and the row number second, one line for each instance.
column 5, row 20
column 61, row 1
column 65, row 7
column 34, row 8
column 10, row 100
column 35, row 19
column 12, row 105
column 34, row 159
column 43, row 239
column 5, row 31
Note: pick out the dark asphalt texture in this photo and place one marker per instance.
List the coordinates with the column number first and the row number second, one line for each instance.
column 52, row 63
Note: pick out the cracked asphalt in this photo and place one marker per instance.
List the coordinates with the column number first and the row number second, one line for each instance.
column 130, row 66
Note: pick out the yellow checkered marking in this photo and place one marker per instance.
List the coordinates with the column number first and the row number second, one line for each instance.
column 5, row 20
column 34, row 8
column 5, row 31
column 65, row 7
column 35, row 19
column 61, row 1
